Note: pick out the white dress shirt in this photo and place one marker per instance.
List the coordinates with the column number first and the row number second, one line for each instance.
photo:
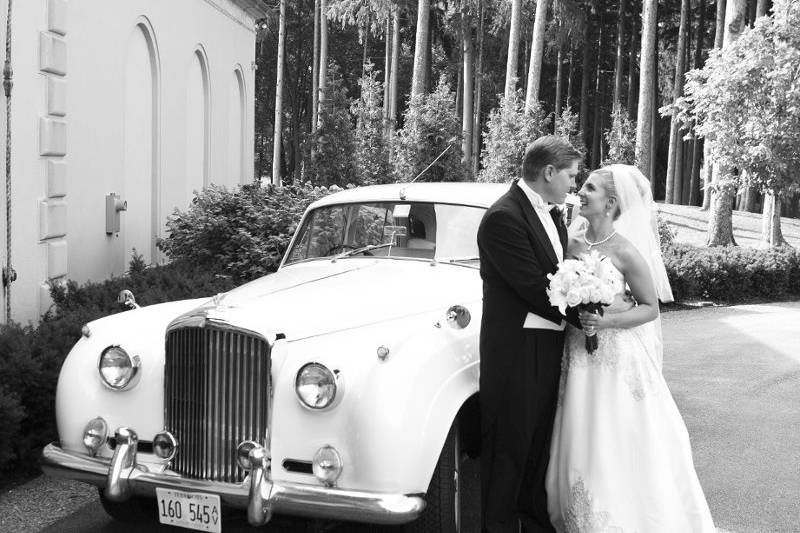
column 532, row 320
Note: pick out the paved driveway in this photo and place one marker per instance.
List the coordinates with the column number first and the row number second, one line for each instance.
column 735, row 375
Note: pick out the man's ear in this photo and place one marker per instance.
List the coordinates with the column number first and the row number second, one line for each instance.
column 547, row 172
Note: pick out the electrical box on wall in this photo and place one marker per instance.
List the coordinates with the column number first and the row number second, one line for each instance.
column 114, row 205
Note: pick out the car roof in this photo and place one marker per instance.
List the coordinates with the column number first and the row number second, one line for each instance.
column 460, row 193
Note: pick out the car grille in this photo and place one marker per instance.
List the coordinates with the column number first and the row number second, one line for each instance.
column 216, row 391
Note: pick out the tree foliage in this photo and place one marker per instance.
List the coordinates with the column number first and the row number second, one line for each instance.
column 621, row 138
column 331, row 149
column 746, row 102
column 431, row 130
column 371, row 148
column 509, row 131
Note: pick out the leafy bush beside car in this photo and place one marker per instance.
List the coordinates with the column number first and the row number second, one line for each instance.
column 241, row 233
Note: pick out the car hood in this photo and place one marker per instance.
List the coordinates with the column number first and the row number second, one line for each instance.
column 324, row 296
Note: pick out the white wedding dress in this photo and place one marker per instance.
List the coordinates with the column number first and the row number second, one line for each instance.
column 620, row 459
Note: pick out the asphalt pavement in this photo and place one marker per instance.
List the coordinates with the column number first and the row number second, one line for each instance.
column 735, row 375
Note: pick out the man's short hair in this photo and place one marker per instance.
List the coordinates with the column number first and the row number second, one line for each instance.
column 548, row 150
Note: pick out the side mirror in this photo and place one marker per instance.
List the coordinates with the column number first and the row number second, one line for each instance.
column 126, row 298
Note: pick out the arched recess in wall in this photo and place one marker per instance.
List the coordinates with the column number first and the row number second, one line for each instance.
column 198, row 113
column 142, row 138
column 236, row 128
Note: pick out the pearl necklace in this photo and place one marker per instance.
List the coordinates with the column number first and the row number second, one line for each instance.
column 590, row 243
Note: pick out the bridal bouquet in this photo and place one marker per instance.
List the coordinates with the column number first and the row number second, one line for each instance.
column 586, row 283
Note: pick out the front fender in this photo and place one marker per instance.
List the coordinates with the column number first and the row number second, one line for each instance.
column 81, row 394
column 394, row 415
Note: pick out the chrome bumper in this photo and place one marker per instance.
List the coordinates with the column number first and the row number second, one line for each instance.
column 123, row 478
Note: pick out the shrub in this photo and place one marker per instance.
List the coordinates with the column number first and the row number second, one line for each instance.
column 331, row 149
column 732, row 274
column 666, row 235
column 31, row 357
column 371, row 146
column 509, row 131
column 242, row 233
column 431, row 130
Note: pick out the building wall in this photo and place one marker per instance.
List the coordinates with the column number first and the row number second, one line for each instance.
column 146, row 99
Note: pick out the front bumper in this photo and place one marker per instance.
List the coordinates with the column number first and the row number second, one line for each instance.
column 122, row 478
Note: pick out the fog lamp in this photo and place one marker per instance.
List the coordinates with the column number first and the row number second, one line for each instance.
column 327, row 465
column 118, row 369
column 94, row 435
column 165, row 445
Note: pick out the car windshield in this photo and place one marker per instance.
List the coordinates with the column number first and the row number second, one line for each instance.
column 418, row 230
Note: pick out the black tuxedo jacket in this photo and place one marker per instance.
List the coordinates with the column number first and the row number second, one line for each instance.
column 515, row 257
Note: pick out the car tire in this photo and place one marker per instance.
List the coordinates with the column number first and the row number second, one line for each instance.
column 135, row 510
column 443, row 507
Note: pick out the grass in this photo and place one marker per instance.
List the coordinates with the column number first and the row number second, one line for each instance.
column 691, row 226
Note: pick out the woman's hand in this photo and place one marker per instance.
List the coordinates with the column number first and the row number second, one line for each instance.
column 592, row 322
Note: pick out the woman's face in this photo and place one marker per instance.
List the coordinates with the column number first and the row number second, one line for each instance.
column 594, row 196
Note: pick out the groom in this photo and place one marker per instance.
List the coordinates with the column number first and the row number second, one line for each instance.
column 521, row 239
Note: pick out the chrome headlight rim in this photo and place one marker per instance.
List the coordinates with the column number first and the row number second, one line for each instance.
column 335, row 380
column 134, row 374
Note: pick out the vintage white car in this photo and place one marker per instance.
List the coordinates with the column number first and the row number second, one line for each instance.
column 342, row 387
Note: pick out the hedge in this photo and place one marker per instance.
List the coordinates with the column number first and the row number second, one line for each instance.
column 732, row 274
column 31, row 357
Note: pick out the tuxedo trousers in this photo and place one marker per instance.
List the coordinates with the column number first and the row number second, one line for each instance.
column 515, row 441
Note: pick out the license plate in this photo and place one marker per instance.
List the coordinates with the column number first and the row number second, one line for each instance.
column 192, row 510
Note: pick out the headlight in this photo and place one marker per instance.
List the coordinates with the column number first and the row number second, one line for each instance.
column 118, row 369
column 316, row 386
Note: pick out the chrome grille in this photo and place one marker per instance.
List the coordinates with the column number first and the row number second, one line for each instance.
column 216, row 391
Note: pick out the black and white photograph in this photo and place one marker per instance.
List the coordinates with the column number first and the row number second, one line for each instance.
column 400, row 266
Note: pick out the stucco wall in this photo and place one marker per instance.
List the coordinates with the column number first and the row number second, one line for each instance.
column 133, row 79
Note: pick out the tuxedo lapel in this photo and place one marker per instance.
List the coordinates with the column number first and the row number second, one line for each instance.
column 534, row 222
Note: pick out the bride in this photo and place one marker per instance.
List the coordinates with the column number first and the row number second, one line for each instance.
column 620, row 459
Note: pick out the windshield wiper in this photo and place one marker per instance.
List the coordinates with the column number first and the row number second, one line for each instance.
column 462, row 259
column 362, row 250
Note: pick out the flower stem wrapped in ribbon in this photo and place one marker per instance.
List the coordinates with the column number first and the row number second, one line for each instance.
column 586, row 284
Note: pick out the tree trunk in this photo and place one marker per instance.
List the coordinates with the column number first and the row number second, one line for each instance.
column 276, row 138
column 513, row 48
column 570, row 75
column 476, row 125
column 654, row 122
column 597, row 140
column 387, row 84
column 720, row 226
column 323, row 52
column 315, row 70
column 632, row 78
column 694, row 184
column 752, row 5
column 586, row 79
column 365, row 54
column 644, row 125
column 750, row 194
column 697, row 144
column 393, row 95
column 771, row 234
column 467, row 114
column 537, row 54
column 619, row 67
column 429, row 59
column 559, row 81
column 708, row 165
column 674, row 158
column 420, row 48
